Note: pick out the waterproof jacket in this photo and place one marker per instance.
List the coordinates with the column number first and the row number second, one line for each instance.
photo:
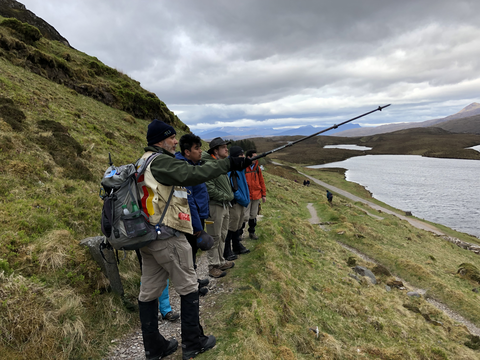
column 168, row 171
column 239, row 187
column 219, row 188
column 197, row 199
column 255, row 181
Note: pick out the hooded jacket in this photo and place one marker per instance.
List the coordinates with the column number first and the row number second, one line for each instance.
column 219, row 188
column 197, row 199
column 255, row 181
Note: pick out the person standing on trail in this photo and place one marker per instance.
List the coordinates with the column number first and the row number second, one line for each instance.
column 329, row 196
column 221, row 195
column 191, row 152
column 238, row 181
column 256, row 186
column 170, row 255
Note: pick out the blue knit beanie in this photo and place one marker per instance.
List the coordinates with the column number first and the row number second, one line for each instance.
column 158, row 131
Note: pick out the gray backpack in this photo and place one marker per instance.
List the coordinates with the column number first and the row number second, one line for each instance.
column 123, row 222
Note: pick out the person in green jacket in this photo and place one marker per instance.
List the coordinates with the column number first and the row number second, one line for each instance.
column 221, row 194
column 170, row 256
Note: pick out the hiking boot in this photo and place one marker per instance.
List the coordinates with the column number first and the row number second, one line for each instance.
column 216, row 273
column 231, row 257
column 202, row 282
column 172, row 347
column 240, row 249
column 171, row 316
column 203, row 291
column 227, row 265
column 253, row 236
column 209, row 343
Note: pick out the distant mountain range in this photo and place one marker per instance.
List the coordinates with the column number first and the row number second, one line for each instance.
column 466, row 120
column 240, row 133
column 470, row 123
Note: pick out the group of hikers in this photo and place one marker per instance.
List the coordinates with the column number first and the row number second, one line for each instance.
column 206, row 200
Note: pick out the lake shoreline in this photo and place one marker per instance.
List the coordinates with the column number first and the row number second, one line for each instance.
column 440, row 191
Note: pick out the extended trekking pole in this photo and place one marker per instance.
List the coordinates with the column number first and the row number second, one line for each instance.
column 291, row 143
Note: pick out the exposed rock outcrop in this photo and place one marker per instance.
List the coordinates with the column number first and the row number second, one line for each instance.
column 12, row 8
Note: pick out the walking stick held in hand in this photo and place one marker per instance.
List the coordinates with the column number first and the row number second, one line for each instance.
column 291, row 143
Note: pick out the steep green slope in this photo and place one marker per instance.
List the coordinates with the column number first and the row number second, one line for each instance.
column 61, row 113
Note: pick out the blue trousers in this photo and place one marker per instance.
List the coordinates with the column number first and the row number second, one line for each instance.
column 164, row 302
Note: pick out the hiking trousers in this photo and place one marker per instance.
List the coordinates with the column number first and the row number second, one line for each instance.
column 252, row 210
column 164, row 259
column 236, row 214
column 218, row 230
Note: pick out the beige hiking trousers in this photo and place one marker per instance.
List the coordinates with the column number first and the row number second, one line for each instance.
column 164, row 259
column 218, row 230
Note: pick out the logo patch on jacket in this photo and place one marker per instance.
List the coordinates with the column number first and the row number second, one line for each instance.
column 183, row 216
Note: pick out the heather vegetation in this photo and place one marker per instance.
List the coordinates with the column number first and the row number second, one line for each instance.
column 62, row 112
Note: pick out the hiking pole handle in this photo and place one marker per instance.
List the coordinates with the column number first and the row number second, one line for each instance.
column 291, row 143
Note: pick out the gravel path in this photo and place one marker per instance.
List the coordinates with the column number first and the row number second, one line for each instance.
column 130, row 347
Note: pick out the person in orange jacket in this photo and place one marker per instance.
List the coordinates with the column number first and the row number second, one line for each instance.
column 256, row 186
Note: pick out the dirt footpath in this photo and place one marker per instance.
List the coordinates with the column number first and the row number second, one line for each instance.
column 414, row 222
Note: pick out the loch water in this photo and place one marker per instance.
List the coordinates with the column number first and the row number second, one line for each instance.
column 443, row 191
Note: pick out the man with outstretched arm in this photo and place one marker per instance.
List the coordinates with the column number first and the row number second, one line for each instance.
column 170, row 256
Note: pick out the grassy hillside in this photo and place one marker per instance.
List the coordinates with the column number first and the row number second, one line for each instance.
column 431, row 142
column 469, row 125
column 61, row 113
column 298, row 277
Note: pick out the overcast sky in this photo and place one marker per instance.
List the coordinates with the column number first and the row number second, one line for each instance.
column 281, row 63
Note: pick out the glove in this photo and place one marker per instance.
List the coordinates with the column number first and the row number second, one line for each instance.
column 239, row 163
column 204, row 241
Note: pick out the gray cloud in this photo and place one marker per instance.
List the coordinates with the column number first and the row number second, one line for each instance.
column 309, row 62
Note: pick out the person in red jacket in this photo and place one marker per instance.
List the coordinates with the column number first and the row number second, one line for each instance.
column 256, row 186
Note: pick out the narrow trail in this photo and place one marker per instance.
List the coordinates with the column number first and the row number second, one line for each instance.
column 414, row 222
column 474, row 330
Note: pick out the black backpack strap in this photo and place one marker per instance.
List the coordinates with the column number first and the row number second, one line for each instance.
column 139, row 257
column 166, row 207
column 105, row 245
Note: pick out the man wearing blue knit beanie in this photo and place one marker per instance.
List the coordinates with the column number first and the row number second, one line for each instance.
column 163, row 196
column 158, row 131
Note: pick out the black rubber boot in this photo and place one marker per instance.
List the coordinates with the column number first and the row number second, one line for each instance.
column 227, row 252
column 194, row 341
column 238, row 248
column 154, row 343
